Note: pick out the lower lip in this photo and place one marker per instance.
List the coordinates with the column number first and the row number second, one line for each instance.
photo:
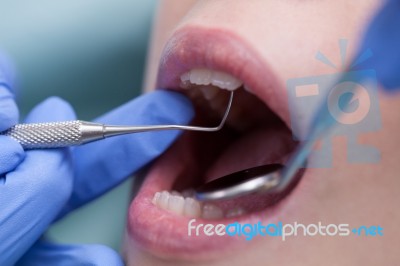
column 165, row 235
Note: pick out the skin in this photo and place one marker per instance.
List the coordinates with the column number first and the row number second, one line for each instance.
column 287, row 35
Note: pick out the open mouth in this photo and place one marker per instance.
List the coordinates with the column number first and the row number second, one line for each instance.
column 253, row 136
column 204, row 64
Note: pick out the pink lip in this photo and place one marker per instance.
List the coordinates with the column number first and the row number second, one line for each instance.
column 161, row 233
column 195, row 47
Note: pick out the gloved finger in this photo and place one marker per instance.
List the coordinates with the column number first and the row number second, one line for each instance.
column 383, row 39
column 44, row 253
column 8, row 109
column 33, row 194
column 102, row 165
column 11, row 154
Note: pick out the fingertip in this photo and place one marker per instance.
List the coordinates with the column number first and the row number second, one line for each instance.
column 51, row 110
column 9, row 113
column 176, row 104
column 11, row 154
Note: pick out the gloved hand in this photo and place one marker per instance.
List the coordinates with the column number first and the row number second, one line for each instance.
column 33, row 184
column 102, row 165
column 38, row 186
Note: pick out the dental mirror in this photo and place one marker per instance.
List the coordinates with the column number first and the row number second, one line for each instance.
column 240, row 183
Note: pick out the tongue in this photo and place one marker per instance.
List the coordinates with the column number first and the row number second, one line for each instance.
column 259, row 147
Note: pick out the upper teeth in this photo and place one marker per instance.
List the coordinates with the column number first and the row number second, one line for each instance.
column 203, row 76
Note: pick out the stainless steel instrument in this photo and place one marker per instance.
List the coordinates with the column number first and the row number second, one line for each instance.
column 73, row 133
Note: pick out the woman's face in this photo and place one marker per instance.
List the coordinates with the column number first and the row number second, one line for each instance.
column 262, row 45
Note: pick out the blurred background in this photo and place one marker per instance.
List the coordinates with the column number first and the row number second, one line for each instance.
column 92, row 54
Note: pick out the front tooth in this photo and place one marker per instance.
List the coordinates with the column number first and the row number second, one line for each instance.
column 163, row 200
column 185, row 80
column 176, row 204
column 156, row 198
column 211, row 211
column 225, row 81
column 200, row 76
column 192, row 208
column 185, row 77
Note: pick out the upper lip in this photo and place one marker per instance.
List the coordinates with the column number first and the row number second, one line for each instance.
column 195, row 47
column 217, row 49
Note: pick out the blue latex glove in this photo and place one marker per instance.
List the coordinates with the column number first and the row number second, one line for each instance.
column 100, row 166
column 35, row 186
column 34, row 193
column 383, row 38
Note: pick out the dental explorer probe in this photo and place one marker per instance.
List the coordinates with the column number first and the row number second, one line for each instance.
column 76, row 132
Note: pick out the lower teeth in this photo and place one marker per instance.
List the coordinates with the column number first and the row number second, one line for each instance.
column 211, row 212
column 190, row 207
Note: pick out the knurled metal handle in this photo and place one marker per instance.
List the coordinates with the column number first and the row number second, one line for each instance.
column 46, row 135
